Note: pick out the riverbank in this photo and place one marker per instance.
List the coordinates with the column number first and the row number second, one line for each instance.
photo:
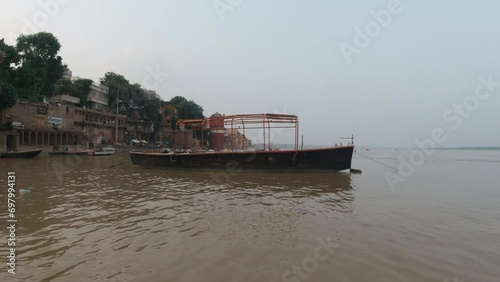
column 119, row 148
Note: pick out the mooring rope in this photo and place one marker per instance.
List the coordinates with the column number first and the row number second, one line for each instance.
column 376, row 161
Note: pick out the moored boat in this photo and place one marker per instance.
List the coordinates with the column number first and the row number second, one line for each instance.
column 290, row 160
column 329, row 159
column 107, row 151
column 71, row 152
column 20, row 154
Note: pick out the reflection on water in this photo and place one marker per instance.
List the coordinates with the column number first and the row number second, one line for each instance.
column 104, row 219
column 105, row 209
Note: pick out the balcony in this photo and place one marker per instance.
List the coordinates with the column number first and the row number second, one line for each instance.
column 98, row 124
column 65, row 98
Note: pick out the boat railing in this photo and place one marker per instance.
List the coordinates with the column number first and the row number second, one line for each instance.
column 230, row 124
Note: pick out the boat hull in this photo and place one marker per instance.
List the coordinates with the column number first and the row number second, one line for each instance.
column 101, row 154
column 86, row 152
column 20, row 155
column 327, row 159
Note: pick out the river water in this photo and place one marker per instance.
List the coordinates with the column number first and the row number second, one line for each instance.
column 104, row 219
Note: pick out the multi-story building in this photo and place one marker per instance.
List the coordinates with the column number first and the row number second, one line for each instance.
column 138, row 129
column 65, row 99
column 37, row 123
column 98, row 97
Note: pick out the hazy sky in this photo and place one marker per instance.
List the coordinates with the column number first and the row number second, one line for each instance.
column 241, row 56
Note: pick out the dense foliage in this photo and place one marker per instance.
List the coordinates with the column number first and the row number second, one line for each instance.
column 8, row 57
column 185, row 109
column 30, row 69
column 78, row 88
column 39, row 67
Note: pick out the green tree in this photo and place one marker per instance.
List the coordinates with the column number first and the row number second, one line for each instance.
column 65, row 87
column 177, row 100
column 131, row 96
column 185, row 109
column 150, row 104
column 39, row 65
column 117, row 82
column 81, row 89
column 8, row 58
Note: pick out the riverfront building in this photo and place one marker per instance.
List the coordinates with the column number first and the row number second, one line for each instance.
column 98, row 97
column 59, row 123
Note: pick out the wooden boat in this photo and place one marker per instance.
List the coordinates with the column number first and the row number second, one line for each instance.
column 103, row 152
column 20, row 154
column 290, row 160
column 73, row 152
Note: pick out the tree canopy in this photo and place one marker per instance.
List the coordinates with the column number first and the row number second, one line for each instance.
column 114, row 82
column 185, row 109
column 8, row 57
column 79, row 88
column 132, row 96
column 39, row 67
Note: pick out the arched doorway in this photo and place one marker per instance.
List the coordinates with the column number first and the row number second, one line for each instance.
column 39, row 138
column 32, row 139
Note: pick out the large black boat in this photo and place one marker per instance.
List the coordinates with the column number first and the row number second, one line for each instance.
column 220, row 157
column 20, row 154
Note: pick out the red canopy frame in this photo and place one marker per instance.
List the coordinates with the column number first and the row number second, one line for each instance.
column 247, row 121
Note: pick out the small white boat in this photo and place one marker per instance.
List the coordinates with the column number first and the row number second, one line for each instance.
column 103, row 152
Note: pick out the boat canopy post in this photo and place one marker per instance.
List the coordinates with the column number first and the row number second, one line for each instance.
column 247, row 121
column 269, row 133
column 243, row 124
column 231, row 135
column 264, row 133
column 297, row 136
column 349, row 138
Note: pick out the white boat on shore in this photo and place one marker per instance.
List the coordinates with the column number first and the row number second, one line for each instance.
column 108, row 151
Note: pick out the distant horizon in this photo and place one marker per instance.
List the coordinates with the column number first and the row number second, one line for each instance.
column 378, row 147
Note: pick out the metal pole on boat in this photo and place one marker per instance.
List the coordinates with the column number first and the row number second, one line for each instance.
column 302, row 145
column 297, row 134
column 264, row 132
column 269, row 133
column 349, row 138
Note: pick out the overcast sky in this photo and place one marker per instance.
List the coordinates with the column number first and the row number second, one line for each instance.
column 330, row 62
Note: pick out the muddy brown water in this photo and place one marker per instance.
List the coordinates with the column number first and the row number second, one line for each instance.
column 104, row 219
